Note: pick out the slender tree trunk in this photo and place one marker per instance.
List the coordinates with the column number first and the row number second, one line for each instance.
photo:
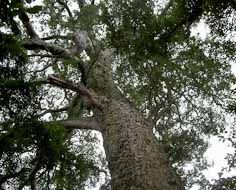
column 135, row 158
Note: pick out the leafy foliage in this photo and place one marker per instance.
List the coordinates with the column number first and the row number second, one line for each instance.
column 225, row 184
column 179, row 81
column 32, row 151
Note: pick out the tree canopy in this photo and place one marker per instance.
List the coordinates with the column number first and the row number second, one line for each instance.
column 180, row 82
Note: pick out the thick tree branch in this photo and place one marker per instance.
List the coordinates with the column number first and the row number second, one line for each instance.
column 66, row 7
column 192, row 12
column 36, row 44
column 79, row 88
column 44, row 68
column 55, row 37
column 83, row 123
column 166, row 8
column 18, row 84
column 32, row 176
column 40, row 55
column 30, row 179
column 29, row 28
column 54, row 111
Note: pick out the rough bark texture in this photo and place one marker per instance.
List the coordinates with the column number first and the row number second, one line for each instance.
column 136, row 159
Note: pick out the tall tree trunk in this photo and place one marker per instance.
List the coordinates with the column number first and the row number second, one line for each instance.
column 135, row 158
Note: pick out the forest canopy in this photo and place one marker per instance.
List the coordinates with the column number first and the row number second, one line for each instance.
column 181, row 83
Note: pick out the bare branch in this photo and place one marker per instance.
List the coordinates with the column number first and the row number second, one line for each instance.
column 66, row 7
column 40, row 55
column 54, row 110
column 32, row 176
column 36, row 44
column 29, row 28
column 88, row 123
column 79, row 88
column 192, row 14
column 34, row 169
column 16, row 84
column 40, row 70
column 55, row 37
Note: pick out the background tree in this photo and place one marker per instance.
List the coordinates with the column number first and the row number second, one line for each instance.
column 124, row 68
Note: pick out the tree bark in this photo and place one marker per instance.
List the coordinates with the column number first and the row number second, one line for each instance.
column 136, row 159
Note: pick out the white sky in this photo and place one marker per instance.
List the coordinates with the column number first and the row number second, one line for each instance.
column 218, row 150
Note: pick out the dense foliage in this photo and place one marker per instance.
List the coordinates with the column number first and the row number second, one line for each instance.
column 180, row 81
column 32, row 151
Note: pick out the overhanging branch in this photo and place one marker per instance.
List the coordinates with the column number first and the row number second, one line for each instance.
column 79, row 88
column 166, row 8
column 66, row 7
column 53, row 111
column 192, row 12
column 52, row 37
column 36, row 44
column 83, row 123
column 28, row 26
